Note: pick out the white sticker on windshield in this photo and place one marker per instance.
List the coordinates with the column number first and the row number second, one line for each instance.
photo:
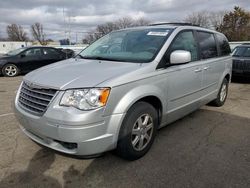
column 158, row 33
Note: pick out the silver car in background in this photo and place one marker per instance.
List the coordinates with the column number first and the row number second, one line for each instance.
column 121, row 89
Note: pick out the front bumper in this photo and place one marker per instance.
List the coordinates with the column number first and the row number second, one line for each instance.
column 71, row 131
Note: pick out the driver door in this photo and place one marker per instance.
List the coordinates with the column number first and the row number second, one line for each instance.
column 183, row 82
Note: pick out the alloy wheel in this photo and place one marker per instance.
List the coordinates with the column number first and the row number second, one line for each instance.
column 10, row 70
column 142, row 132
column 223, row 92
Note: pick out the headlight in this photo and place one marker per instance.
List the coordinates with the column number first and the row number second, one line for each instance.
column 85, row 99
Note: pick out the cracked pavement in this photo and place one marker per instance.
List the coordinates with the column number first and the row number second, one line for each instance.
column 208, row 148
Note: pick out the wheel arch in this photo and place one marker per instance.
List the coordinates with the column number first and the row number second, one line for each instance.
column 151, row 94
column 228, row 77
column 147, row 93
column 10, row 63
column 155, row 102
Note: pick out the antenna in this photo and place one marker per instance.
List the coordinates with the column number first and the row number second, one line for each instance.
column 175, row 23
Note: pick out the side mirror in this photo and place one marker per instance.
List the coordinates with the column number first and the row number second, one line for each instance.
column 22, row 55
column 180, row 56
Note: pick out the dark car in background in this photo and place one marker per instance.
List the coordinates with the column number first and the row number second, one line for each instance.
column 241, row 61
column 24, row 60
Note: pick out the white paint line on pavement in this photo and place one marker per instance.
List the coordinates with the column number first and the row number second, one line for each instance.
column 8, row 114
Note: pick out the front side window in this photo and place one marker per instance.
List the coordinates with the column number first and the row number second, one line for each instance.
column 207, row 45
column 33, row 52
column 134, row 45
column 184, row 41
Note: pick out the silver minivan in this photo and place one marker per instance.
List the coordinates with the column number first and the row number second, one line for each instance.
column 121, row 89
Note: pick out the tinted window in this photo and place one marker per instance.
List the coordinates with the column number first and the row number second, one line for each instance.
column 207, row 45
column 50, row 52
column 184, row 41
column 247, row 52
column 241, row 52
column 33, row 52
column 223, row 45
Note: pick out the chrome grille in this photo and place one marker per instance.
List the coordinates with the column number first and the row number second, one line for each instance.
column 241, row 65
column 35, row 99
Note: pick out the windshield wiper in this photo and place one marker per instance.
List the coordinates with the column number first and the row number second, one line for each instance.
column 79, row 56
column 236, row 55
column 99, row 58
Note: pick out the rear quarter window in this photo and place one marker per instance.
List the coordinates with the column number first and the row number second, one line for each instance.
column 208, row 48
column 223, row 45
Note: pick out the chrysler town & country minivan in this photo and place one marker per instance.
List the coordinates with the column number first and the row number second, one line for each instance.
column 121, row 89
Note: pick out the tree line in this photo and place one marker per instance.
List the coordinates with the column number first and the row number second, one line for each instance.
column 234, row 24
column 106, row 28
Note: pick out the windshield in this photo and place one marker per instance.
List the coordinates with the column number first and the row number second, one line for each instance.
column 15, row 52
column 241, row 52
column 140, row 45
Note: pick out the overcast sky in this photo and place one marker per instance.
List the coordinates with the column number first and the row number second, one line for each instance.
column 84, row 15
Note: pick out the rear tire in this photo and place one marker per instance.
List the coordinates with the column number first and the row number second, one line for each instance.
column 222, row 95
column 10, row 70
column 138, row 131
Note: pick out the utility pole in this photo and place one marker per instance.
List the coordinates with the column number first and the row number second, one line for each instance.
column 69, row 30
column 76, row 38
column 64, row 24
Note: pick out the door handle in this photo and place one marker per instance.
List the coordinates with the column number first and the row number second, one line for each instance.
column 198, row 70
column 205, row 68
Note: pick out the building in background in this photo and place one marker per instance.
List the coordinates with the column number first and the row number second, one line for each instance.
column 7, row 46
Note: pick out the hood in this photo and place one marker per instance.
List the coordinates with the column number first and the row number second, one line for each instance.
column 78, row 73
column 4, row 57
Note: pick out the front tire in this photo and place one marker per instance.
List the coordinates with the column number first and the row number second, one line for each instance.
column 222, row 95
column 138, row 131
column 10, row 70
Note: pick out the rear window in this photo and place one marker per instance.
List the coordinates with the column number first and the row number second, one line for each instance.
column 207, row 45
column 223, row 45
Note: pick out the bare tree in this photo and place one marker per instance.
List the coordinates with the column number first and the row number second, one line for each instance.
column 125, row 22
column 38, row 33
column 141, row 22
column 16, row 33
column 199, row 18
column 106, row 28
column 234, row 24
column 216, row 19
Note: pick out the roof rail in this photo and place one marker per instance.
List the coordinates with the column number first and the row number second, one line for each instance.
column 175, row 23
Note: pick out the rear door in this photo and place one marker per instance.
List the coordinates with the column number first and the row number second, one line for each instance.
column 213, row 62
column 51, row 55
